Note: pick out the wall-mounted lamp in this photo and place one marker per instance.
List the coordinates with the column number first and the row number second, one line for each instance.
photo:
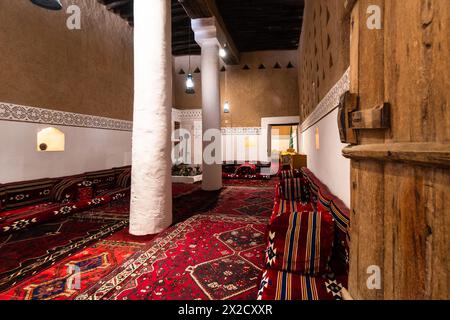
column 50, row 140
column 190, row 85
column 48, row 4
column 317, row 139
column 226, row 107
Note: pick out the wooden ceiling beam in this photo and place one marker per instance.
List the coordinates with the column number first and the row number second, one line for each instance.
column 246, row 25
column 196, row 9
column 201, row 9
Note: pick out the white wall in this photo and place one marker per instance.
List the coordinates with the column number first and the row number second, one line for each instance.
column 327, row 163
column 86, row 149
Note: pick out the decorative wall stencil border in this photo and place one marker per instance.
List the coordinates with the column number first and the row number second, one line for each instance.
column 247, row 131
column 14, row 112
column 189, row 115
column 328, row 103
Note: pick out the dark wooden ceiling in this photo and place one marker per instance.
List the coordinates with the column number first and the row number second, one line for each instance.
column 253, row 24
column 258, row 25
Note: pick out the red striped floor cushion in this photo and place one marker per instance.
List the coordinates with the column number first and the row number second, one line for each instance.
column 279, row 285
column 288, row 206
column 295, row 189
column 289, row 174
column 300, row 242
column 291, row 189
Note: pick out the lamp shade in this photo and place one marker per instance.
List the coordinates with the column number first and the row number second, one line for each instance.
column 190, row 86
column 48, row 4
column 226, row 107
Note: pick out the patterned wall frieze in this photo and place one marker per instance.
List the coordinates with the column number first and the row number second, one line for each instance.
column 329, row 103
column 189, row 115
column 19, row 113
column 247, row 131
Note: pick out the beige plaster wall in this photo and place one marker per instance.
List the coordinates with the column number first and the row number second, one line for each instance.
column 252, row 94
column 45, row 64
column 324, row 52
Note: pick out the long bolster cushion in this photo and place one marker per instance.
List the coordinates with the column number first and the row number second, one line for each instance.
column 300, row 242
column 116, row 194
column 27, row 193
column 257, row 176
column 18, row 219
column 281, row 285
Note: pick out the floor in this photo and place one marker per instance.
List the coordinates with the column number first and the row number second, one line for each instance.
column 214, row 251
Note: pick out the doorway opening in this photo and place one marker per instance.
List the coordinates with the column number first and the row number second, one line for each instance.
column 284, row 138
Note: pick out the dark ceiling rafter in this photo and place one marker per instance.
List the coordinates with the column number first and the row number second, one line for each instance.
column 183, row 41
column 253, row 24
column 258, row 25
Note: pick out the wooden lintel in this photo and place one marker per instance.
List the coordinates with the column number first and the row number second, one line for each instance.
column 426, row 154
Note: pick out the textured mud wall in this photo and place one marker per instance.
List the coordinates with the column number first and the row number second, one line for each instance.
column 45, row 64
column 324, row 51
column 262, row 85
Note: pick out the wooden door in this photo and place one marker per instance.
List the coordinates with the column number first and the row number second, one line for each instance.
column 400, row 178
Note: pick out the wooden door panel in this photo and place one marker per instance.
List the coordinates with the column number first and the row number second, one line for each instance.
column 400, row 178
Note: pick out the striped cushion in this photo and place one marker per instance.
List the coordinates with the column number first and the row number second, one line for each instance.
column 295, row 189
column 324, row 200
column 291, row 189
column 124, row 179
column 341, row 249
column 288, row 206
column 66, row 190
column 281, row 285
column 289, row 174
column 22, row 194
column 300, row 242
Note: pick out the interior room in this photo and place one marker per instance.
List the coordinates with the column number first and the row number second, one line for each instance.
column 224, row 150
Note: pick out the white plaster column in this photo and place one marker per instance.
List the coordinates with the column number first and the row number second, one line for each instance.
column 151, row 187
column 206, row 35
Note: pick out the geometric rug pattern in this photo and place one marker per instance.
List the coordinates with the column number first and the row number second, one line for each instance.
column 205, row 257
column 214, row 252
column 27, row 252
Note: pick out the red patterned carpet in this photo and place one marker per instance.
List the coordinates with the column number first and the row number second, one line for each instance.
column 29, row 251
column 205, row 257
column 214, row 255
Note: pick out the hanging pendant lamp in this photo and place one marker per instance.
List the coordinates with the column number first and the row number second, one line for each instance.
column 190, row 85
column 48, row 4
